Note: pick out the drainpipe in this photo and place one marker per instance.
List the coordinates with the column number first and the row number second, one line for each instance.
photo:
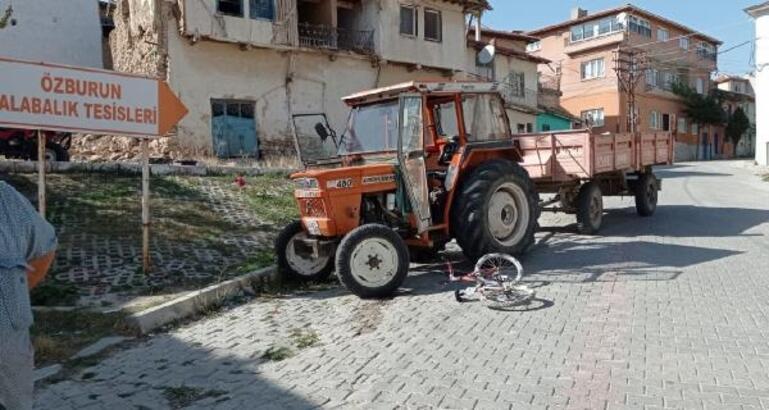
column 478, row 25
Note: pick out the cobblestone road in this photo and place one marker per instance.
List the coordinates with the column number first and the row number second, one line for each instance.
column 671, row 311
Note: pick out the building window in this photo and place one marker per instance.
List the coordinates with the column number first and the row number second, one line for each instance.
column 261, row 9
column 683, row 42
column 593, row 118
column 516, row 84
column 535, row 46
column 737, row 87
column 529, row 127
column 654, row 120
column 681, row 125
column 700, row 86
column 545, row 127
column 639, row 26
column 695, row 129
column 433, row 25
column 651, row 77
column 593, row 69
column 663, row 34
column 230, row 7
column 521, row 128
column 596, row 28
column 409, row 21
column 706, row 50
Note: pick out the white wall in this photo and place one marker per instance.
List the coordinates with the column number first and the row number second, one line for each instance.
column 202, row 19
column 762, row 89
column 392, row 45
column 212, row 70
column 56, row 31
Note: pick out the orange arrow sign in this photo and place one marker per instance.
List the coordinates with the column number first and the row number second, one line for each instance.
column 78, row 99
column 172, row 110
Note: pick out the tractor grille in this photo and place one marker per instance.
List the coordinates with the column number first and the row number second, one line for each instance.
column 312, row 207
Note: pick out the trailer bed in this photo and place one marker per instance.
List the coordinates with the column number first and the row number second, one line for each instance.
column 575, row 155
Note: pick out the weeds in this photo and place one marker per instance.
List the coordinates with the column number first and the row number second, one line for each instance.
column 304, row 339
column 57, row 335
column 277, row 353
column 183, row 396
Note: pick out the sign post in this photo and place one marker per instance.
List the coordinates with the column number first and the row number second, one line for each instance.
column 41, row 173
column 42, row 96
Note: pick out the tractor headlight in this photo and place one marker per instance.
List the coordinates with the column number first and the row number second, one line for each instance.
column 306, row 183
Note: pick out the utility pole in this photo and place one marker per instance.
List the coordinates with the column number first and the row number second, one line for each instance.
column 630, row 65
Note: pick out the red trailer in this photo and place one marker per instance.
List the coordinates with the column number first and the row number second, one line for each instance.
column 580, row 168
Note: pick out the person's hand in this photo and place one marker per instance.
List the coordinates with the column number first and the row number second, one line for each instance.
column 38, row 268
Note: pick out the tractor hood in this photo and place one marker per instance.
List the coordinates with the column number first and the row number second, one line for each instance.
column 356, row 178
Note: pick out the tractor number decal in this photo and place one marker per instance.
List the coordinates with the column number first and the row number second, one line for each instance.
column 340, row 183
column 378, row 179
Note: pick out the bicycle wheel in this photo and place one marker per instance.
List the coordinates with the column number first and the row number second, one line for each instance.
column 499, row 266
column 508, row 298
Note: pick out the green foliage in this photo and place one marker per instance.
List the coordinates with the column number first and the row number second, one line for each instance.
column 700, row 108
column 277, row 353
column 6, row 17
column 304, row 339
column 739, row 123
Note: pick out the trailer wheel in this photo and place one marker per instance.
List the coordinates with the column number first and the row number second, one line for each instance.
column 496, row 210
column 295, row 267
column 589, row 209
column 372, row 261
column 646, row 195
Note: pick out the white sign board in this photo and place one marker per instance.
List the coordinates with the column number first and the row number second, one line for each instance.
column 46, row 96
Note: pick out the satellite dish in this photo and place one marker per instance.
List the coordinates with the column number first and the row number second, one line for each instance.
column 486, row 56
column 622, row 18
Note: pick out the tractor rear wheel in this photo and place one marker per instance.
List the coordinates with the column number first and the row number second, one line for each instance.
column 297, row 267
column 496, row 210
column 372, row 261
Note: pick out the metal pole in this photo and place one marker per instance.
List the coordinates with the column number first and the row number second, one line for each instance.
column 41, row 173
column 145, row 206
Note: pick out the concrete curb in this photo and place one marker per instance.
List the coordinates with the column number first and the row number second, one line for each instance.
column 54, row 167
column 194, row 302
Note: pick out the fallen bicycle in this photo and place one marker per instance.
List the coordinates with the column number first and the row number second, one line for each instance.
column 497, row 280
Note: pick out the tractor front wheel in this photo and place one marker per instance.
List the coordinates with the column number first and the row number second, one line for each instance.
column 372, row 261
column 496, row 210
column 299, row 267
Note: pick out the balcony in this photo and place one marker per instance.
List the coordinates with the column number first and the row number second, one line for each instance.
column 336, row 38
column 573, row 47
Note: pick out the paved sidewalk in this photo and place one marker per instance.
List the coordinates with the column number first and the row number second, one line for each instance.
column 668, row 311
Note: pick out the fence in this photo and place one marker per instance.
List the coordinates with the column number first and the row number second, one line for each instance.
column 324, row 36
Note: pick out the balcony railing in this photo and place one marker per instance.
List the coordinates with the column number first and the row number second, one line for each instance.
column 336, row 38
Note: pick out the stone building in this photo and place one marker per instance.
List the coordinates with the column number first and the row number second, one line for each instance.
column 244, row 67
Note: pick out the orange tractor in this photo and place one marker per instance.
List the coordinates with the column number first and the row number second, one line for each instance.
column 419, row 164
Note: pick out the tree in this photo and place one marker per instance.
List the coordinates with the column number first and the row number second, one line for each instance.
column 702, row 109
column 738, row 124
column 6, row 17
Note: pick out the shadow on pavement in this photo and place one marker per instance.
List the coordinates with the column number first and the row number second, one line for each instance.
column 666, row 174
column 576, row 260
column 169, row 373
column 684, row 221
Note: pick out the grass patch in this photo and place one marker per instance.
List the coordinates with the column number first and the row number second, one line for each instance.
column 263, row 258
column 54, row 293
column 184, row 396
column 766, row 177
column 277, row 353
column 58, row 335
column 304, row 338
column 272, row 196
